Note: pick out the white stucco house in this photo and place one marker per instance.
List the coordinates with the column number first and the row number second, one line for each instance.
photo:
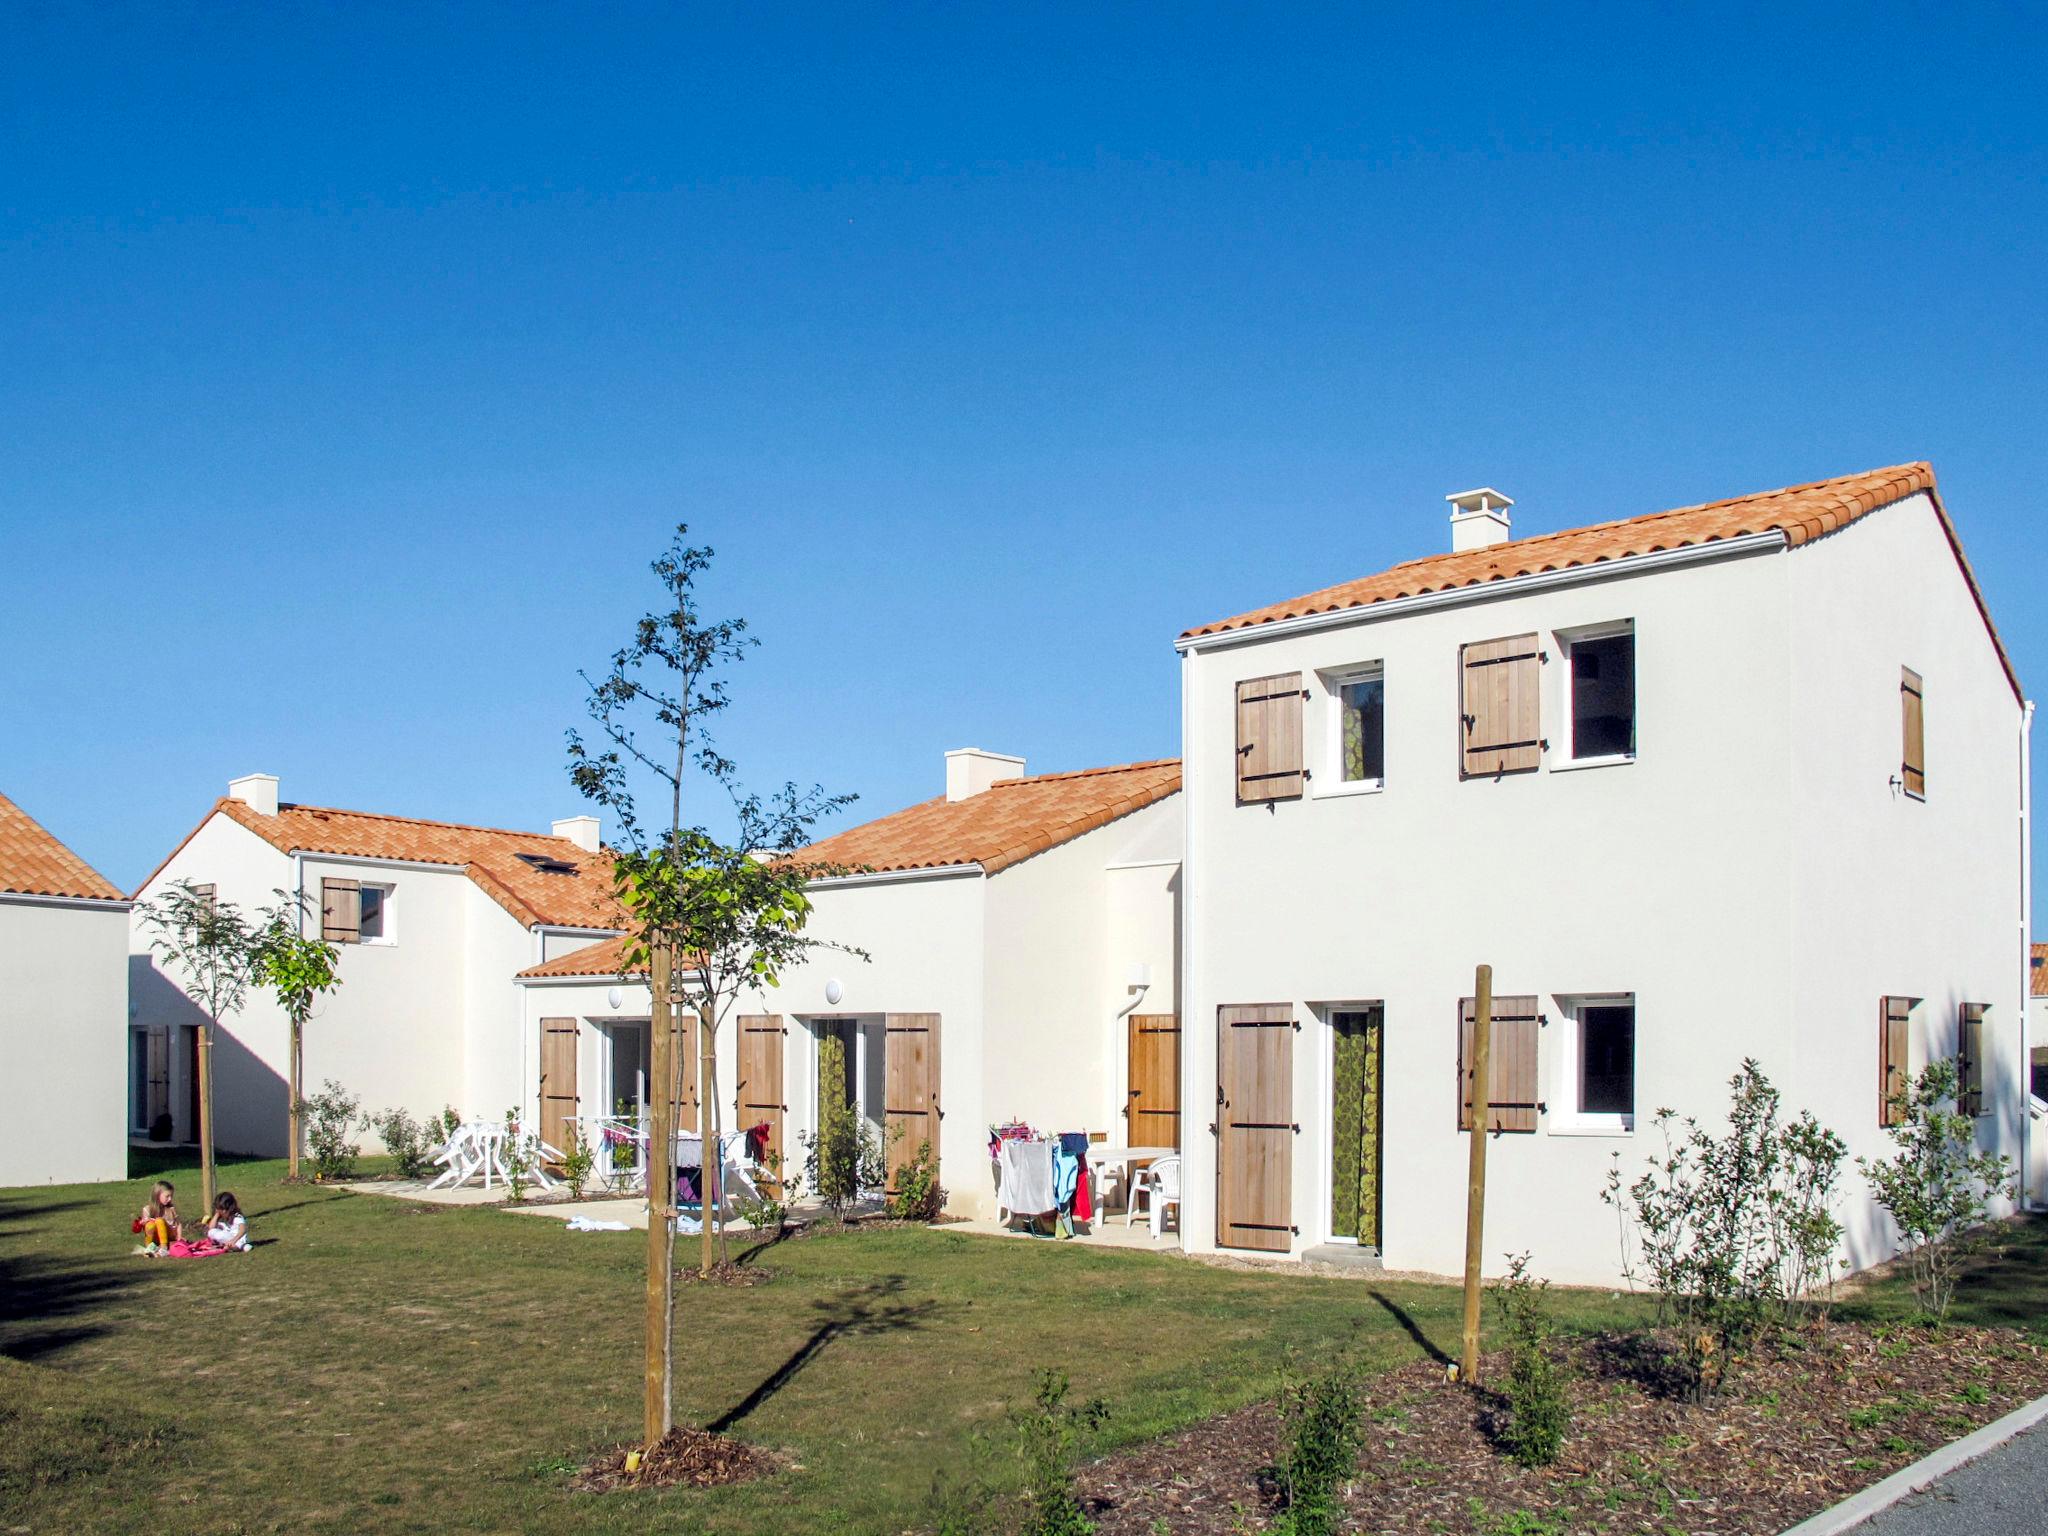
column 433, row 921
column 63, row 1003
column 1020, row 938
column 1745, row 779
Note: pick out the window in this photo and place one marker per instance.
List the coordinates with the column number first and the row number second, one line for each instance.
column 1970, row 1058
column 1598, row 1066
column 1601, row 674
column 1358, row 729
column 374, row 922
column 2037, row 1080
column 1895, row 1028
column 1913, row 730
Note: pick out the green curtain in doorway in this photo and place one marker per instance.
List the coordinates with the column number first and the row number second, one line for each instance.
column 832, row 1071
column 1355, row 1128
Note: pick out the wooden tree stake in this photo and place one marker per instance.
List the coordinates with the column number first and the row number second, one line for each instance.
column 206, row 1174
column 661, row 1198
column 1475, row 1189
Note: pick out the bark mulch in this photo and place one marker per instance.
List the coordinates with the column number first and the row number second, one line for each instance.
column 1802, row 1426
column 693, row 1458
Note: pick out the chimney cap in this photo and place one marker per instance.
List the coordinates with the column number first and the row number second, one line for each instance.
column 1485, row 499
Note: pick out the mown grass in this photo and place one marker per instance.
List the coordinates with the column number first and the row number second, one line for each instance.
column 383, row 1366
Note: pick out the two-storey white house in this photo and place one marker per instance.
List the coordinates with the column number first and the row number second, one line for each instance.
column 433, row 921
column 1738, row 780
column 63, row 999
column 1018, row 940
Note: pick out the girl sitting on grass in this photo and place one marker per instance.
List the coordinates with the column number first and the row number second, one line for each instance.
column 154, row 1230
column 227, row 1229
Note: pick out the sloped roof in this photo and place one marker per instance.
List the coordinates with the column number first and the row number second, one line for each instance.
column 34, row 863
column 578, row 897
column 1800, row 512
column 2037, row 973
column 1004, row 824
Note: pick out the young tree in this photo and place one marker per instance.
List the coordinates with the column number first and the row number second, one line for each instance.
column 216, row 950
column 298, row 969
column 696, row 908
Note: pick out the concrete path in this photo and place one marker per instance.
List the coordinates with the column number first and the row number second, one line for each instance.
column 2002, row 1493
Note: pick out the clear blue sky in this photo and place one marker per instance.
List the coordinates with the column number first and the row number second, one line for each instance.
column 355, row 360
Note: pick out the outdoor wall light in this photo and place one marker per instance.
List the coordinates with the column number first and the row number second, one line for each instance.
column 834, row 991
column 615, row 997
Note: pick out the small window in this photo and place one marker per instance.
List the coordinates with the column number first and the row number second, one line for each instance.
column 1913, row 731
column 2037, row 1080
column 1970, row 1058
column 1599, row 1065
column 374, row 923
column 547, row 864
column 1601, row 673
column 1358, row 730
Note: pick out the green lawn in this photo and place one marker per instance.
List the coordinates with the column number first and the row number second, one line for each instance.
column 384, row 1366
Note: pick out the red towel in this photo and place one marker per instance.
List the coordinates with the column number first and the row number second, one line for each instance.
column 1083, row 1209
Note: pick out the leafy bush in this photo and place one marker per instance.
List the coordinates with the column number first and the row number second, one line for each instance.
column 1731, row 1227
column 1048, row 1436
column 331, row 1116
column 1539, row 1406
column 844, row 1157
column 577, row 1162
column 517, row 1156
column 409, row 1143
column 1321, row 1415
column 1937, row 1186
column 446, row 1124
column 767, row 1210
column 918, row 1195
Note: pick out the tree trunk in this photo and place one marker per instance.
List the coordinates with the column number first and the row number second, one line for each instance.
column 711, row 1175
column 298, row 1129
column 661, row 1198
column 206, row 1180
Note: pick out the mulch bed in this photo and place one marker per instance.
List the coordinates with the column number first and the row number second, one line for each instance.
column 691, row 1458
column 1800, row 1428
column 725, row 1272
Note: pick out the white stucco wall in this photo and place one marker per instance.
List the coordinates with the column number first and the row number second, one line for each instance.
column 64, row 1029
column 1668, row 877
column 1894, row 895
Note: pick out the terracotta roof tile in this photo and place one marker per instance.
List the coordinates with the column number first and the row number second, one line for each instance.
column 1800, row 512
column 2037, row 972
column 580, row 897
column 1003, row 825
column 34, row 863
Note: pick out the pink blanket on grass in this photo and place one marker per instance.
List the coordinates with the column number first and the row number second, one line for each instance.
column 205, row 1248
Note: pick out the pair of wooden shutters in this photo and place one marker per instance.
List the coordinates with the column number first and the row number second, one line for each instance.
column 1269, row 765
column 1501, row 707
column 1152, row 1109
column 558, row 1082
column 1895, row 1033
column 341, row 911
column 1913, row 730
column 1254, row 1126
column 757, row 1096
column 1512, row 1053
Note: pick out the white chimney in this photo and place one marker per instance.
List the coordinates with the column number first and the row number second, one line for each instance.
column 969, row 771
column 1478, row 518
column 580, row 830
column 258, row 791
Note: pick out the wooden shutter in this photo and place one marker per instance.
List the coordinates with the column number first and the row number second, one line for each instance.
column 1512, row 1104
column 1502, row 707
column 1255, row 1128
column 758, row 1093
column 1894, row 1039
column 1970, row 1059
column 1153, row 1107
column 341, row 911
column 911, row 1067
column 1269, row 738
column 209, row 893
column 689, row 1046
column 557, row 1082
column 1913, row 727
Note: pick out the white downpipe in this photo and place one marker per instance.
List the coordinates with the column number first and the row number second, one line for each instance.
column 1186, row 997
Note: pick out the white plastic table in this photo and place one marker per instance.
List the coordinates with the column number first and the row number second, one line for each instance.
column 1103, row 1154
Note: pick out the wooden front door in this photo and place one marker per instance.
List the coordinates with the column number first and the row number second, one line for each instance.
column 156, row 1103
column 911, row 1058
column 191, row 1081
column 1254, row 1126
column 1153, row 1106
column 1357, row 1057
column 758, row 1093
column 557, row 1082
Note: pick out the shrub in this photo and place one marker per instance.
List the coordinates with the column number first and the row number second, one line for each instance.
column 1048, row 1436
column 918, row 1196
column 517, row 1156
column 1321, row 1415
column 1539, row 1412
column 844, row 1158
column 767, row 1210
column 446, row 1124
column 577, row 1162
column 331, row 1117
column 409, row 1143
column 1729, row 1227
column 1937, row 1186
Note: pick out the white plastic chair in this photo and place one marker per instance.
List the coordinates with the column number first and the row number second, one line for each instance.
column 1157, row 1188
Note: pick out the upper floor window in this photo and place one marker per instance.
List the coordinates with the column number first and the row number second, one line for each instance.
column 355, row 912
column 374, row 926
column 1358, row 728
column 1600, row 669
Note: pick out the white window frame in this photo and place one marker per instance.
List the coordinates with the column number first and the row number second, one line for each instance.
column 1328, row 782
column 386, row 906
column 1568, row 760
column 1326, row 1088
column 1562, row 1116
